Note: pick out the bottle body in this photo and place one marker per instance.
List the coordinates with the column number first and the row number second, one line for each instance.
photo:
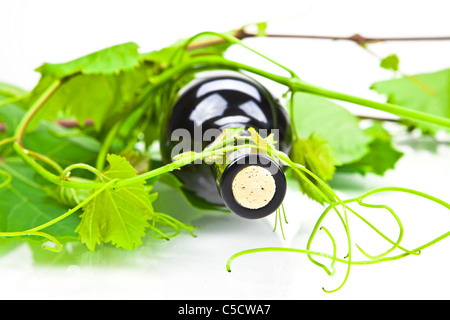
column 210, row 103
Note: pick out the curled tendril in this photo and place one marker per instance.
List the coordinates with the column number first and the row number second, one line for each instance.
column 400, row 236
column 232, row 40
column 333, row 205
column 278, row 218
column 372, row 259
column 381, row 234
column 331, row 273
column 67, row 171
column 175, row 224
column 281, row 224
column 284, row 213
column 52, row 239
column 45, row 160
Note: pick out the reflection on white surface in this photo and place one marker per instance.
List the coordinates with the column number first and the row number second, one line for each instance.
column 188, row 267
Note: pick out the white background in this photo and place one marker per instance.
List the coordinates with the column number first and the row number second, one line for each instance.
column 33, row 32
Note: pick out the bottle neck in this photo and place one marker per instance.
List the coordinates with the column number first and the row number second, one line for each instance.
column 253, row 185
column 249, row 184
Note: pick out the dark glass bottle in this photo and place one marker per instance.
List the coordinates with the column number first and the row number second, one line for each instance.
column 250, row 184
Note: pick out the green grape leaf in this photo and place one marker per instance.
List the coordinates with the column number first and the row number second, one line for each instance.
column 333, row 123
column 163, row 56
column 65, row 146
column 25, row 203
column 99, row 97
column 111, row 60
column 316, row 155
column 426, row 92
column 390, row 62
column 10, row 114
column 119, row 216
column 96, row 86
column 382, row 155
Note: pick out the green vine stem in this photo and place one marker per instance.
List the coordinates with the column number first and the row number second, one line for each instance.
column 291, row 111
column 7, row 140
column 234, row 40
column 106, row 145
column 35, row 107
column 298, row 85
column 331, row 273
column 7, row 178
column 399, row 223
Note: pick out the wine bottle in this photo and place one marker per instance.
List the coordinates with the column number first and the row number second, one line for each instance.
column 250, row 184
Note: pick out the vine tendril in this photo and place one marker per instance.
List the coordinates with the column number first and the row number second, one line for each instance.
column 372, row 259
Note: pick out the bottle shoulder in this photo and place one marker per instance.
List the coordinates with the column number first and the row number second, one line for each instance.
column 226, row 100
